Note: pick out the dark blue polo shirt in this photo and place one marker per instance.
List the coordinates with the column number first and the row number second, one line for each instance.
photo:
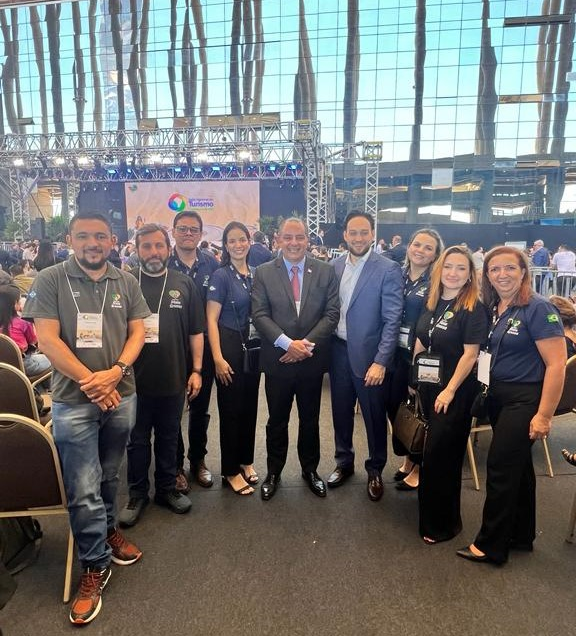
column 231, row 290
column 513, row 344
column 200, row 272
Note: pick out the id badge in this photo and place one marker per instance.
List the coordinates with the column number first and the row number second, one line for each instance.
column 404, row 337
column 483, row 372
column 152, row 328
column 428, row 368
column 89, row 331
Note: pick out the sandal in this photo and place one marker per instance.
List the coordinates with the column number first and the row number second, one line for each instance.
column 251, row 478
column 244, row 490
column 429, row 541
column 569, row 457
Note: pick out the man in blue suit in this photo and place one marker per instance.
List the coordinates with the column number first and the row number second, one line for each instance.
column 371, row 305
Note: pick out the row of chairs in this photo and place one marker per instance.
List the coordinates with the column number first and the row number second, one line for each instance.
column 26, row 440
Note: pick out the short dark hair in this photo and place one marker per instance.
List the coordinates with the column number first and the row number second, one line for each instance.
column 150, row 228
column 189, row 214
column 89, row 216
column 258, row 237
column 358, row 213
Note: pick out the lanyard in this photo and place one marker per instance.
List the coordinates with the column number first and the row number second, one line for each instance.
column 163, row 287
column 243, row 279
column 495, row 321
column 74, row 299
column 433, row 324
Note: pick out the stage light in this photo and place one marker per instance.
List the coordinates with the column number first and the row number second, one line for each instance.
column 18, row 162
column 83, row 160
column 244, row 155
column 111, row 171
column 272, row 167
column 197, row 169
column 155, row 158
column 177, row 169
column 59, row 161
column 216, row 168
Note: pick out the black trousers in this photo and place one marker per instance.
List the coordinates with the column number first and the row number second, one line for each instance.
column 198, row 416
column 237, row 407
column 441, row 472
column 280, row 393
column 510, row 508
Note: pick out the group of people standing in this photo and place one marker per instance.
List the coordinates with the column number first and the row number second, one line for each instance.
column 129, row 349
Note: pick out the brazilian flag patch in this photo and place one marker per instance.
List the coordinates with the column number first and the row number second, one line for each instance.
column 552, row 318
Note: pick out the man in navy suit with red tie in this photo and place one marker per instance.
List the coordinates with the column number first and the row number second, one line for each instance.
column 371, row 305
column 295, row 310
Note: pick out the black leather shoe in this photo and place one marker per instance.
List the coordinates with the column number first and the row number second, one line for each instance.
column 402, row 485
column 375, row 487
column 339, row 476
column 466, row 553
column 399, row 475
column 270, row 486
column 316, row 485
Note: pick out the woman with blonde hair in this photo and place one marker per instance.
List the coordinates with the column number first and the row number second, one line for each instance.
column 449, row 335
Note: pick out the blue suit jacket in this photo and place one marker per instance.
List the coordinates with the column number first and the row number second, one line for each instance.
column 374, row 314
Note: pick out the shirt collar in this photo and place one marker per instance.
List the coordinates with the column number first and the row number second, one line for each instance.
column 74, row 270
column 290, row 265
column 361, row 259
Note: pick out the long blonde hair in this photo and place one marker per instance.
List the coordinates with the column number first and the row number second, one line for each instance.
column 469, row 294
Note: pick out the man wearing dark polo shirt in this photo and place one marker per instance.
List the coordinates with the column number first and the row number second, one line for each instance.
column 188, row 259
column 167, row 369
column 89, row 318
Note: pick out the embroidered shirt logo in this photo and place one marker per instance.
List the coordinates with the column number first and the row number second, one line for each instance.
column 116, row 304
column 551, row 318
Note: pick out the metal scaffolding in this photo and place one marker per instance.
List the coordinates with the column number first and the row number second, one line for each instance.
column 227, row 150
column 372, row 155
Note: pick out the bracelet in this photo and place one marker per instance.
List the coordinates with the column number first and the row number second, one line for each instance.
column 199, row 371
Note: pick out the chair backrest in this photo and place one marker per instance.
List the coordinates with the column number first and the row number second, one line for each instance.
column 568, row 397
column 10, row 352
column 31, row 474
column 17, row 395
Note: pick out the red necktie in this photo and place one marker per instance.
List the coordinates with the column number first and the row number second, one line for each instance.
column 295, row 283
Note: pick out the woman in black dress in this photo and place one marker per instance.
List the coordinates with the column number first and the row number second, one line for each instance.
column 449, row 334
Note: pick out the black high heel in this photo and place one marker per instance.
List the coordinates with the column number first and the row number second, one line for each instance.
column 569, row 457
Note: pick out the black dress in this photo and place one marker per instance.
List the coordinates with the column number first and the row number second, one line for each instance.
column 445, row 445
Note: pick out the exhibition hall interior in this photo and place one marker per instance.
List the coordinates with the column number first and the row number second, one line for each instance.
column 453, row 114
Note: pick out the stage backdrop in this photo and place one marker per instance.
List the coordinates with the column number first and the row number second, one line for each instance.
column 218, row 203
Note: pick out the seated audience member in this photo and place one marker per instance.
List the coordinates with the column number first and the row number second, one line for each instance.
column 21, row 279
column 567, row 313
column 23, row 334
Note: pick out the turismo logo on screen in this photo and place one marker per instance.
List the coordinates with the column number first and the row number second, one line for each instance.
column 178, row 203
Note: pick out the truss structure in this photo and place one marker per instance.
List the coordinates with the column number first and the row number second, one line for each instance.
column 226, row 151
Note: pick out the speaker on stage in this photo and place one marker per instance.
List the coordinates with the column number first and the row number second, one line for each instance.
column 37, row 228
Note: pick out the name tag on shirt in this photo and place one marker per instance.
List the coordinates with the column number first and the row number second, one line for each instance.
column 483, row 373
column 404, row 337
column 152, row 328
column 89, row 331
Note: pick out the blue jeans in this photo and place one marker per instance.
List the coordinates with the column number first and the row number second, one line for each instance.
column 163, row 414
column 91, row 445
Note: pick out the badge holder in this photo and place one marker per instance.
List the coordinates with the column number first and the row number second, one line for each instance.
column 428, row 369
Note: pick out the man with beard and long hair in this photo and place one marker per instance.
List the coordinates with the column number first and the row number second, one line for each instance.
column 167, row 370
column 89, row 320
column 371, row 304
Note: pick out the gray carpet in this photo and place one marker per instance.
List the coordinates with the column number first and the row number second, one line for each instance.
column 299, row 565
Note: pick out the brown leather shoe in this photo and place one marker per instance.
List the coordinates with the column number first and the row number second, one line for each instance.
column 182, row 484
column 339, row 475
column 201, row 474
column 375, row 487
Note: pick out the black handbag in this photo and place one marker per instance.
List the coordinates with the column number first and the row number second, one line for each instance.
column 409, row 426
column 479, row 408
column 251, row 356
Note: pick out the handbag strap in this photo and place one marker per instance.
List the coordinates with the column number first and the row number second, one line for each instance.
column 233, row 303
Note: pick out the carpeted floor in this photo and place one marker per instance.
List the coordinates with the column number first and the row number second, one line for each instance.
column 299, row 565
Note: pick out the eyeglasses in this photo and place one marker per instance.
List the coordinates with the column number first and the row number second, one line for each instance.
column 186, row 229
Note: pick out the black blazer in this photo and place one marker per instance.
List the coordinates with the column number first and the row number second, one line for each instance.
column 274, row 313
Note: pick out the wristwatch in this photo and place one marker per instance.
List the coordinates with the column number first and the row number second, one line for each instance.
column 124, row 367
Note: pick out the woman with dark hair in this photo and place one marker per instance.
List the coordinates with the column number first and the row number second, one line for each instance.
column 524, row 368
column 424, row 247
column 45, row 257
column 449, row 334
column 228, row 319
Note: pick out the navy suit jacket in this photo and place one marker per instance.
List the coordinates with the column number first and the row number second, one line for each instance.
column 374, row 313
column 274, row 313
